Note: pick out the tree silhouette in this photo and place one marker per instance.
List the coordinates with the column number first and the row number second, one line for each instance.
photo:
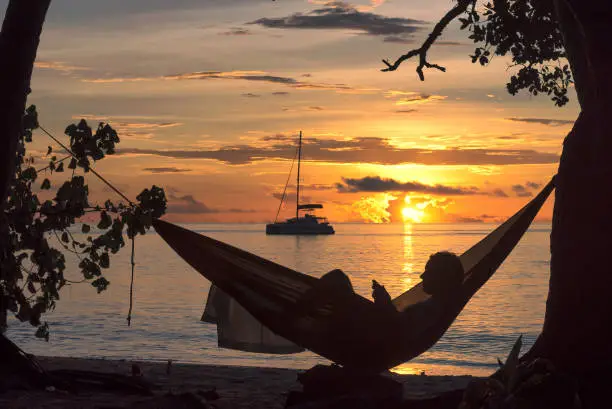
column 541, row 36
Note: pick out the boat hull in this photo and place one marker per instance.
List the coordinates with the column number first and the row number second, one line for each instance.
column 297, row 229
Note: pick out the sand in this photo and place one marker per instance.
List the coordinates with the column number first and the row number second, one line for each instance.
column 237, row 387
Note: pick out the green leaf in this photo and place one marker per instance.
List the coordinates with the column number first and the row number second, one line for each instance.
column 85, row 228
column 46, row 184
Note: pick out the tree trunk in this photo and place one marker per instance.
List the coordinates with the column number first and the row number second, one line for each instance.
column 578, row 324
column 19, row 39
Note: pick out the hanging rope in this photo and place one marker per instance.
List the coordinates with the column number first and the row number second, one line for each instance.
column 129, row 317
column 285, row 189
column 72, row 154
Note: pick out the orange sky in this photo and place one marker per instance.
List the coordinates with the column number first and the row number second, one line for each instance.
column 208, row 99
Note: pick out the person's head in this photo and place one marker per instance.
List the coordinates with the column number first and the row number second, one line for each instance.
column 443, row 273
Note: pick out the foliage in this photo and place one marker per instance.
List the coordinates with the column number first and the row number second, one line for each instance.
column 525, row 385
column 34, row 233
column 527, row 30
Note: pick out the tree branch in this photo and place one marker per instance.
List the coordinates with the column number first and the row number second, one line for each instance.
column 460, row 8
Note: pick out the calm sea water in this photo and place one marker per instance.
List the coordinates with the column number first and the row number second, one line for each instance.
column 169, row 296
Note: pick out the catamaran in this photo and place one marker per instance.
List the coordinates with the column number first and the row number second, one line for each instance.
column 305, row 223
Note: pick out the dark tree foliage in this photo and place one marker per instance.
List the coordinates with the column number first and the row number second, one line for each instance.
column 35, row 233
column 525, row 30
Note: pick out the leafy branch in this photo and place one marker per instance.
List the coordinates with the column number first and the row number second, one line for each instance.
column 28, row 222
column 526, row 30
column 421, row 52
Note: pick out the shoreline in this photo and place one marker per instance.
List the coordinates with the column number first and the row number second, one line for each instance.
column 237, row 386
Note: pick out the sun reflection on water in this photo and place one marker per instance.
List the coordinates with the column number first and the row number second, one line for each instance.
column 408, row 280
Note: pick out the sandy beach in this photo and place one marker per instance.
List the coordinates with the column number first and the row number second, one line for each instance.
column 237, row 387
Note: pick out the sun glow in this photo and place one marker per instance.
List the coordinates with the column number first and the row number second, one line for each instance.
column 412, row 214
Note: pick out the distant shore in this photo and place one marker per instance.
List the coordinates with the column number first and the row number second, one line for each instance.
column 237, row 387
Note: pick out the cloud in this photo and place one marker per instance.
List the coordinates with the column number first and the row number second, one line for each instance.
column 521, row 191
column 337, row 15
column 533, row 185
column 419, row 99
column 280, row 93
column 526, row 189
column 188, row 204
column 256, row 76
column 373, row 150
column 378, row 184
column 170, row 169
column 250, row 95
column 499, row 193
column 58, row 66
column 236, row 32
column 405, row 111
column 543, row 121
column 398, row 40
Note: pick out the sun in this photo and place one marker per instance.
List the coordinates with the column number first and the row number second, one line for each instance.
column 410, row 214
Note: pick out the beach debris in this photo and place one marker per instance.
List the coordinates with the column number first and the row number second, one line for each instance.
column 522, row 385
column 334, row 386
column 136, row 371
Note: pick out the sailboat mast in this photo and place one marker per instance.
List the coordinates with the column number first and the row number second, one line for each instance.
column 297, row 198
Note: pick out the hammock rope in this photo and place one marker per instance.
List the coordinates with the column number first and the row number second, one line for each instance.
column 118, row 192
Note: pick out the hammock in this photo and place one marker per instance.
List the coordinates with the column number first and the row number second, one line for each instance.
column 345, row 328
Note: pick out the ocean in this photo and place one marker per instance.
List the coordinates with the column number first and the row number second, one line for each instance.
column 169, row 296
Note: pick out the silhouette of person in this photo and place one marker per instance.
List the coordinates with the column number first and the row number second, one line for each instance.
column 381, row 297
column 331, row 286
column 443, row 274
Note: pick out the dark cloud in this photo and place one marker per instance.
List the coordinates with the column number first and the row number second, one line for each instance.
column 251, row 95
column 170, row 169
column 533, row 185
column 257, row 76
column 188, row 204
column 315, row 108
column 508, row 137
column 499, row 193
column 378, row 184
column 451, row 43
column 526, row 189
column 280, row 93
column 521, row 191
column 236, row 32
column 405, row 111
column 543, row 121
column 343, row 16
column 398, row 40
column 356, row 150
column 290, row 197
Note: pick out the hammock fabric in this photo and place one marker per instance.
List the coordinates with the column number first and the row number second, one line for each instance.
column 341, row 326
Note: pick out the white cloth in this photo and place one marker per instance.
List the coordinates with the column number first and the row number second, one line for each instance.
column 238, row 329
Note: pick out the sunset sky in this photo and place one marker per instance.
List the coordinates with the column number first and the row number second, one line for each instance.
column 208, row 97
